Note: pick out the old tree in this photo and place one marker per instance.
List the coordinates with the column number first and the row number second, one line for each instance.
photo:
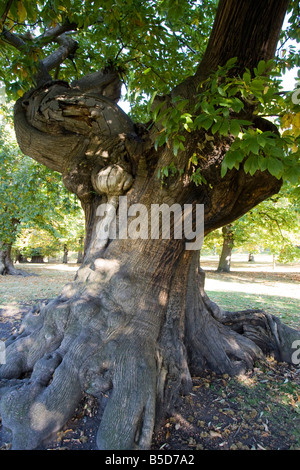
column 136, row 323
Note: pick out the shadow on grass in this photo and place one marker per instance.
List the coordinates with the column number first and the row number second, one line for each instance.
column 244, row 277
column 11, row 316
column 285, row 308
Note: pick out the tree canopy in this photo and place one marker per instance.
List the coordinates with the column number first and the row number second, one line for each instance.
column 31, row 195
column 272, row 225
column 155, row 46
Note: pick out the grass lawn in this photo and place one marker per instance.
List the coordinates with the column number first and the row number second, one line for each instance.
column 256, row 285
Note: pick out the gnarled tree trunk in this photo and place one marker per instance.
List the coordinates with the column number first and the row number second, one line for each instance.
column 136, row 322
column 80, row 251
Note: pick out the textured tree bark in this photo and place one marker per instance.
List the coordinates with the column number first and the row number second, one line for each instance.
column 136, row 322
column 241, row 27
column 80, row 251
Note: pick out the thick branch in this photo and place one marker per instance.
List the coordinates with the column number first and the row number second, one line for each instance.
column 13, row 39
column 53, row 151
column 67, row 48
column 58, row 30
column 247, row 30
column 19, row 41
column 238, row 193
column 74, row 132
column 104, row 82
column 6, row 10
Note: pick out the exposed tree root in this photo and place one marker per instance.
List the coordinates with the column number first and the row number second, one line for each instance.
column 77, row 344
column 67, row 348
column 7, row 268
column 7, row 265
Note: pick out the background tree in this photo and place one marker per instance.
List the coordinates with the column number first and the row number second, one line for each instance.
column 66, row 231
column 273, row 225
column 22, row 205
column 228, row 244
column 136, row 322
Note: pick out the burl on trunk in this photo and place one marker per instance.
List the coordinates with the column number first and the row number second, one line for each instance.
column 136, row 322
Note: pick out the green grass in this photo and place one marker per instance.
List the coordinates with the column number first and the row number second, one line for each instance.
column 248, row 285
column 48, row 281
column 256, row 286
column 285, row 309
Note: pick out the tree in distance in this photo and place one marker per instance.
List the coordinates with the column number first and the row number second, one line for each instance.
column 31, row 196
column 273, row 225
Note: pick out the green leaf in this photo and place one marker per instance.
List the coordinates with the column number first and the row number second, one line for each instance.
column 161, row 140
column 199, row 119
column 224, row 127
column 263, row 163
column 221, row 91
column 197, row 178
column 207, row 123
column 157, row 109
column 181, row 104
column 235, row 127
column 206, row 107
column 224, row 169
column 216, row 126
column 275, row 167
column 261, row 67
column 233, row 157
column 237, row 105
column 251, row 165
column 261, row 140
column 230, row 62
column 292, row 175
column 250, row 144
column 247, row 77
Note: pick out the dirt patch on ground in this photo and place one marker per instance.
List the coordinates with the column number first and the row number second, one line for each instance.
column 260, row 410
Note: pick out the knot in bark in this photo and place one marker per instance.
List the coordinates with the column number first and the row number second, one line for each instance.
column 112, row 180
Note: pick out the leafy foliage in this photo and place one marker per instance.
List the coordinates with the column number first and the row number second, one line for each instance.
column 39, row 242
column 273, row 225
column 288, row 55
column 155, row 45
column 31, row 195
column 221, row 109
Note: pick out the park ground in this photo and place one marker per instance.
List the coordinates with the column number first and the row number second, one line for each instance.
column 257, row 411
